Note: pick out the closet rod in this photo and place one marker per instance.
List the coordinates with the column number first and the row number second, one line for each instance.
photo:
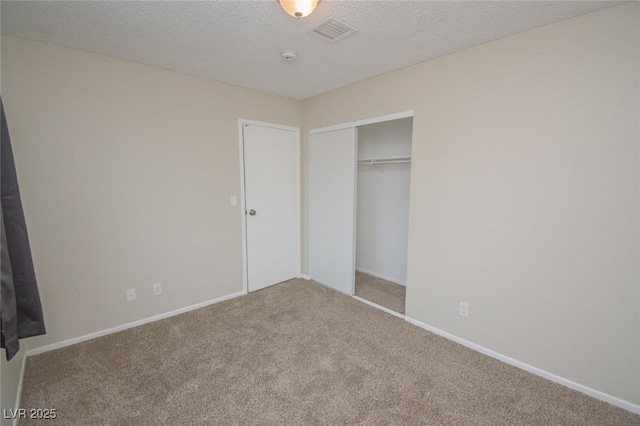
column 374, row 161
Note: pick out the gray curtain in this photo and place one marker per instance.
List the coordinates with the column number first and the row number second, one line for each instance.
column 20, row 309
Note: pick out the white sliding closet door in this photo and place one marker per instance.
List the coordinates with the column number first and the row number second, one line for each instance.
column 332, row 174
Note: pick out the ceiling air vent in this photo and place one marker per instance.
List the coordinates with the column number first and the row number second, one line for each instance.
column 332, row 29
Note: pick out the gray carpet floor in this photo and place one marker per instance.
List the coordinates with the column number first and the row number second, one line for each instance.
column 295, row 353
column 381, row 292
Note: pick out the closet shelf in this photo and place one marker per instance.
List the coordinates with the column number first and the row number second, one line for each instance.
column 379, row 162
column 382, row 161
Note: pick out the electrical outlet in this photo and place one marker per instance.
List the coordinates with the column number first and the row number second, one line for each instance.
column 157, row 289
column 131, row 295
column 464, row 309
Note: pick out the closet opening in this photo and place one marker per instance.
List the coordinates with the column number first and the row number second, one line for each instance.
column 359, row 179
column 382, row 213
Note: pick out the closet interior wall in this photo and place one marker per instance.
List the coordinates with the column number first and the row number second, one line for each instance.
column 382, row 213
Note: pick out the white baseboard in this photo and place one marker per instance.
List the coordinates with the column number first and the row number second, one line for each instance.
column 304, row 277
column 634, row 408
column 384, row 277
column 115, row 329
column 375, row 305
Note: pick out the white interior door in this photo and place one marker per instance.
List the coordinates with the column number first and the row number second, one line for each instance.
column 332, row 174
column 271, row 176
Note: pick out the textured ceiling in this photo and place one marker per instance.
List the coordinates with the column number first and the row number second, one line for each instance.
column 241, row 42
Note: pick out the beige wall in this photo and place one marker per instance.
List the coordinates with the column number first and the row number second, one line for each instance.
column 9, row 370
column 524, row 193
column 9, row 382
column 126, row 173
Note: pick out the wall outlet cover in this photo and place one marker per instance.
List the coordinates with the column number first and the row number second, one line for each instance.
column 131, row 295
column 464, row 309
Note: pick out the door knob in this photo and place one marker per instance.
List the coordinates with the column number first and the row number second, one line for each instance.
column 252, row 212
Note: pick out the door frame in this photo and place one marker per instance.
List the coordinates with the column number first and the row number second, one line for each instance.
column 242, row 201
column 355, row 124
column 364, row 122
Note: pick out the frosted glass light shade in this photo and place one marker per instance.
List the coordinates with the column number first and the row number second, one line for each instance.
column 299, row 8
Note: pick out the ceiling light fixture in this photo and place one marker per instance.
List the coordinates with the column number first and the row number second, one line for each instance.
column 298, row 8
